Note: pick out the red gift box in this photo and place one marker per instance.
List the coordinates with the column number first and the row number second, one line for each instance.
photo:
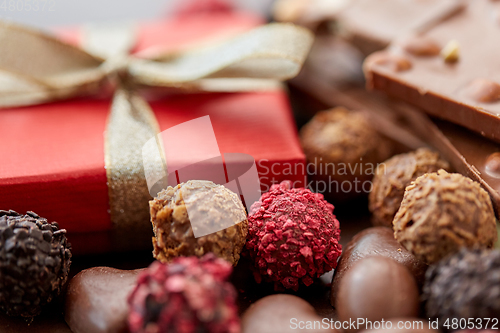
column 53, row 154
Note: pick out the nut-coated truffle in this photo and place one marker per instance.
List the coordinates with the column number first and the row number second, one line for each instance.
column 293, row 236
column 189, row 295
column 345, row 150
column 34, row 262
column 442, row 212
column 207, row 203
column 464, row 285
column 393, row 176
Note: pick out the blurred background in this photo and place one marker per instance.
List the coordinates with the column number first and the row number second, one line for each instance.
column 49, row 13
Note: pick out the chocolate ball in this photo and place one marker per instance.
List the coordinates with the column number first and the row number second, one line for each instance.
column 212, row 205
column 282, row 313
column 376, row 241
column 344, row 151
column 377, row 288
column 96, row 300
column 293, row 237
column 464, row 285
column 393, row 176
column 442, row 212
column 35, row 258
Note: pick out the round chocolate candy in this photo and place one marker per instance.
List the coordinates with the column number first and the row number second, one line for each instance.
column 96, row 300
column 344, row 150
column 376, row 241
column 442, row 212
column 201, row 206
column 393, row 176
column 293, row 237
column 377, row 288
column 283, row 313
column 464, row 285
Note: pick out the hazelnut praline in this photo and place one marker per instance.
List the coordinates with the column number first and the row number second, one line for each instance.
column 343, row 147
column 173, row 230
column 442, row 212
column 393, row 176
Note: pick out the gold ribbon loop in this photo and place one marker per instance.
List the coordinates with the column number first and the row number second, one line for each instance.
column 273, row 51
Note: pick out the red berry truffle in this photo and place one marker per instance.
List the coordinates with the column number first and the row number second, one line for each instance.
column 189, row 295
column 293, row 236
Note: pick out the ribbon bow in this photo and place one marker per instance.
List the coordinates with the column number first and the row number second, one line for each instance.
column 37, row 68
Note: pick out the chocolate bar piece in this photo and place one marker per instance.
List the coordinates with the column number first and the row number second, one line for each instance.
column 372, row 25
column 450, row 69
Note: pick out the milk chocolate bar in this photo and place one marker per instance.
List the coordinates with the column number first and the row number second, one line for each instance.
column 450, row 69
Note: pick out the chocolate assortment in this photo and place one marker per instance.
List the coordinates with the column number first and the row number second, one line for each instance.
column 394, row 230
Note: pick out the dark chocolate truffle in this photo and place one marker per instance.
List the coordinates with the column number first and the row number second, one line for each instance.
column 377, row 288
column 464, row 285
column 393, row 176
column 376, row 241
column 442, row 212
column 293, row 236
column 345, row 150
column 208, row 203
column 282, row 313
column 189, row 295
column 34, row 262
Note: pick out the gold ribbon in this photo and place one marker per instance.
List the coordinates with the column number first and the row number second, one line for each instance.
column 37, row 68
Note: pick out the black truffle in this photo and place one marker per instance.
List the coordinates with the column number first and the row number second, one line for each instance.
column 465, row 285
column 34, row 262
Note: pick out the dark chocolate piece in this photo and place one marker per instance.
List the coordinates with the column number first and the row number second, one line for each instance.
column 281, row 313
column 462, row 84
column 35, row 258
column 376, row 241
column 377, row 288
column 464, row 285
column 96, row 300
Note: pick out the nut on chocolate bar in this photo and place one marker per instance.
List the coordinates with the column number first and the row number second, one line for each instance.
column 443, row 212
column 173, row 229
column 393, row 176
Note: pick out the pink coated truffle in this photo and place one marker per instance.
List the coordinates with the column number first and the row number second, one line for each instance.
column 190, row 294
column 293, row 237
